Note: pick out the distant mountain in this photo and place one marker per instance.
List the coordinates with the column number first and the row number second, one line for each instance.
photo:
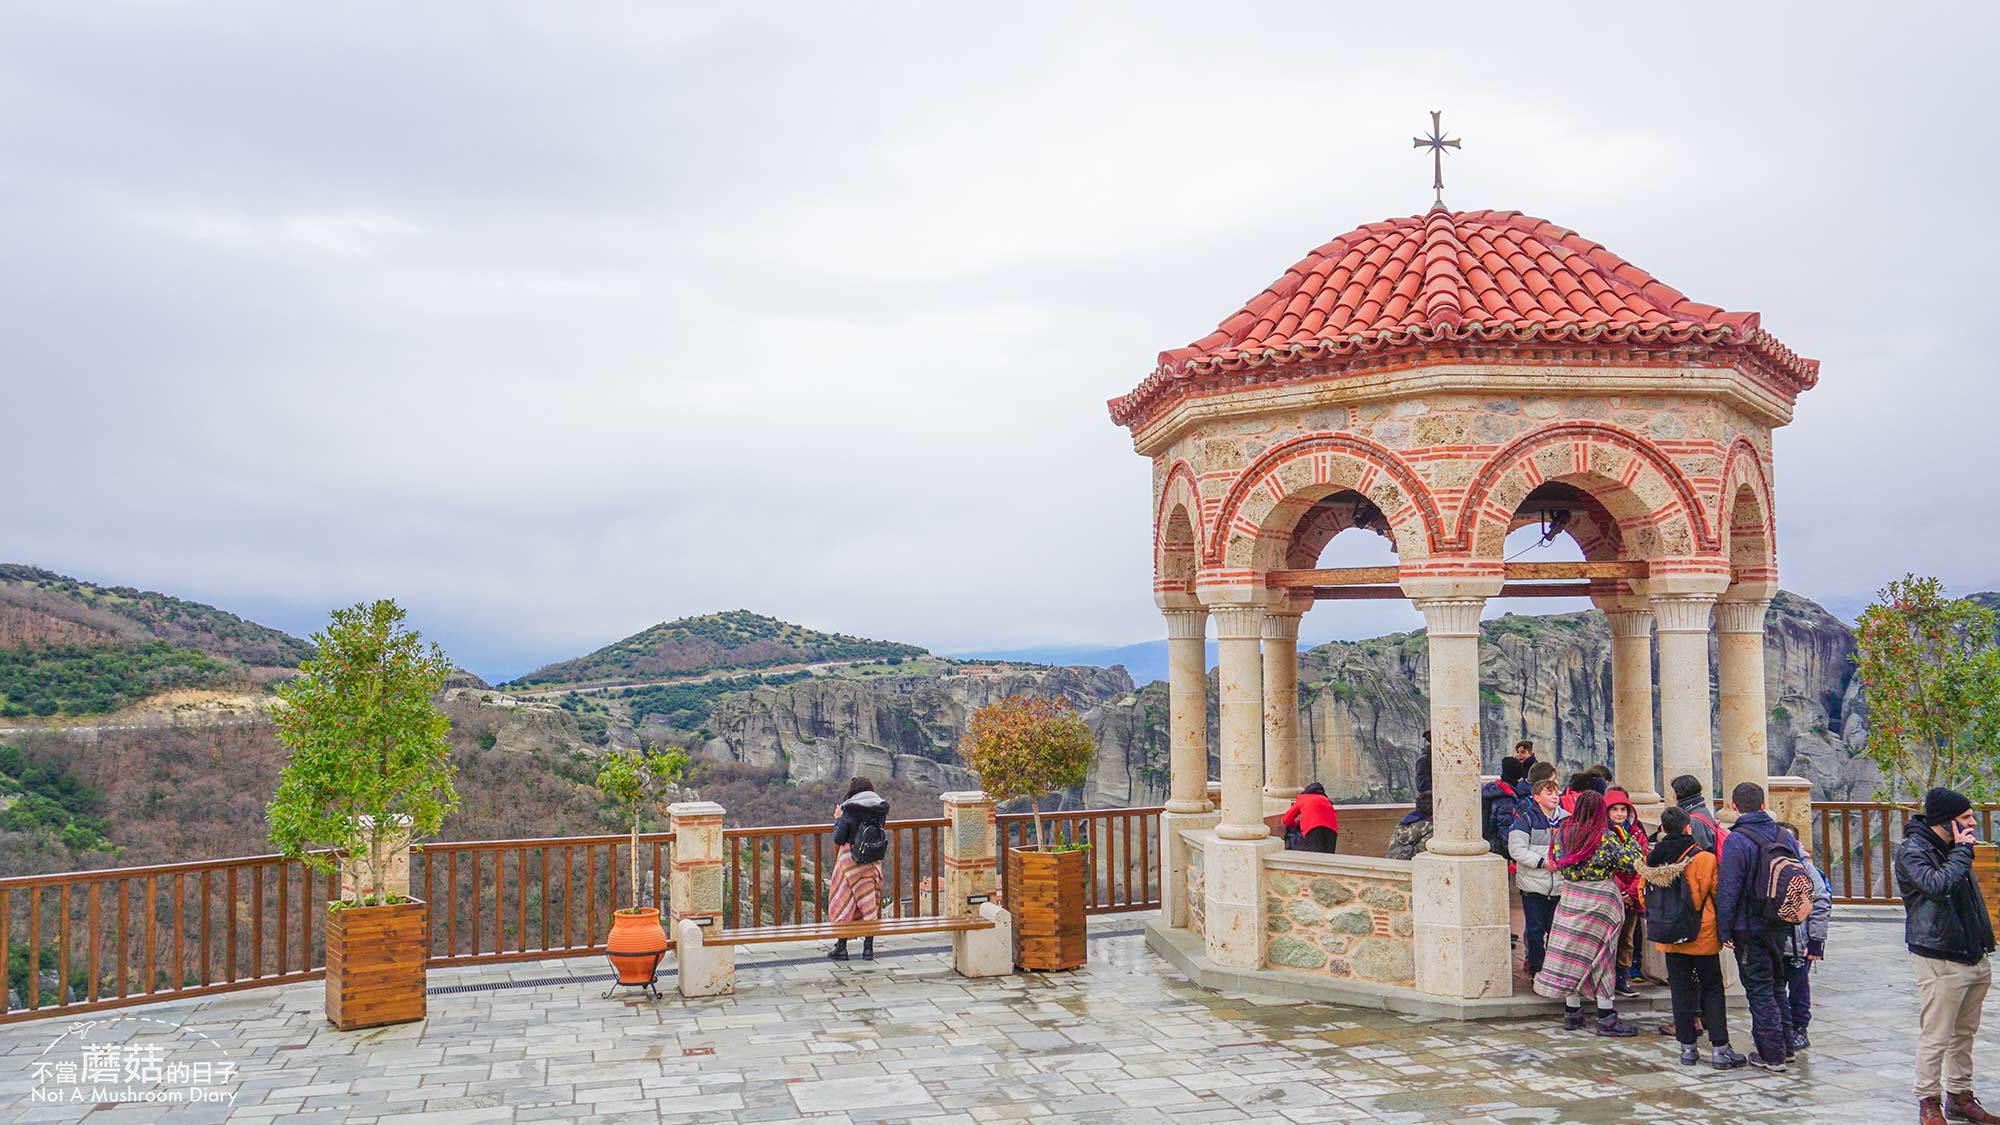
column 715, row 642
column 1145, row 662
column 75, row 648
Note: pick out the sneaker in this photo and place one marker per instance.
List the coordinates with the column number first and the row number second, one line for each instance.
column 1690, row 1055
column 1625, row 990
column 1615, row 1028
column 1757, row 1060
column 1799, row 1042
column 1667, row 1028
column 1726, row 1058
column 1572, row 1018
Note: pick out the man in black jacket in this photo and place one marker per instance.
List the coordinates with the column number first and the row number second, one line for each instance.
column 1949, row 934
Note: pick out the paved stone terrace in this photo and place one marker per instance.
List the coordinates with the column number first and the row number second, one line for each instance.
column 1121, row 1041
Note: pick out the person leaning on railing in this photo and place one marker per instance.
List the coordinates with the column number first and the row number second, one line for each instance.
column 856, row 892
column 1312, row 824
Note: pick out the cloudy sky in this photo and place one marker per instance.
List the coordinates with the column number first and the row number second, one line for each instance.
column 554, row 321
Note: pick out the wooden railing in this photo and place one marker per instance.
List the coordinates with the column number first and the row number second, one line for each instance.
column 135, row 935
column 1855, row 844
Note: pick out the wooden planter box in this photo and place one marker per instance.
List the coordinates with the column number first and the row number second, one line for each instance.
column 1045, row 893
column 375, row 964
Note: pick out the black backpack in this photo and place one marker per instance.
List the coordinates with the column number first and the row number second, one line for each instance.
column 870, row 842
column 1782, row 889
column 1671, row 918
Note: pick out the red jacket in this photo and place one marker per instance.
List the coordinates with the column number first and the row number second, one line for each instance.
column 1315, row 811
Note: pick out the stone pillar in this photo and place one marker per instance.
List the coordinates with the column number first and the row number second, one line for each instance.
column 1632, row 709
column 1458, row 887
column 1684, row 703
column 1740, row 672
column 1281, row 707
column 694, row 897
column 1187, row 707
column 969, row 881
column 1789, row 799
column 1452, row 631
column 1239, row 631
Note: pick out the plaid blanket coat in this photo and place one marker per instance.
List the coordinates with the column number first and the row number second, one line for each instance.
column 1582, row 956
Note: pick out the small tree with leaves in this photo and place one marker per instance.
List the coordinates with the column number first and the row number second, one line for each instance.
column 1028, row 747
column 1933, row 677
column 367, row 741
column 636, row 780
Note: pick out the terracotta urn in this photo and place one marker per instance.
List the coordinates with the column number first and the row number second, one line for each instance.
column 636, row 944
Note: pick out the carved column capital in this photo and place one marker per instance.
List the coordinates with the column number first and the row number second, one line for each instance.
column 1683, row 613
column 1740, row 617
column 1631, row 622
column 1451, row 617
column 1186, row 624
column 1238, row 622
column 1281, row 625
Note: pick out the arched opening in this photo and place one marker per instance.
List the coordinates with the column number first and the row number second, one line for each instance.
column 1749, row 531
column 1173, row 570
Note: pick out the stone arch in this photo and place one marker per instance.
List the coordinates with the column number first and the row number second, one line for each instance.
column 1743, row 509
column 1328, row 517
column 1640, row 488
column 1595, row 530
column 1177, row 530
column 1253, row 528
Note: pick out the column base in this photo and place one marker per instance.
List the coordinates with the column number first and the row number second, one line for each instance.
column 1173, row 861
column 1234, row 908
column 1189, row 807
column 1251, row 832
column 1459, row 907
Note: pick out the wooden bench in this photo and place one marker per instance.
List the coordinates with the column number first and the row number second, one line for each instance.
column 821, row 931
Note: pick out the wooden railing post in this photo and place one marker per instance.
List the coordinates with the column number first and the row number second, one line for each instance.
column 694, row 895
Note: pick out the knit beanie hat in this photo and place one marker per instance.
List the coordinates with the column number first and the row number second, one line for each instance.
column 1512, row 770
column 1942, row 806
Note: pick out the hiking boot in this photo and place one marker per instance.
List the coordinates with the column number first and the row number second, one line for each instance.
column 1725, row 1058
column 1965, row 1107
column 839, row 951
column 1572, row 1018
column 1615, row 1028
column 1930, row 1111
column 1758, row 1060
column 1690, row 1055
column 868, row 949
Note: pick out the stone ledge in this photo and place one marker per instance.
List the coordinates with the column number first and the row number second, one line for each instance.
column 1185, row 952
column 1321, row 863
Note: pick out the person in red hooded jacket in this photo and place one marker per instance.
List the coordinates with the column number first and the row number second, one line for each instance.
column 1624, row 819
column 1315, row 820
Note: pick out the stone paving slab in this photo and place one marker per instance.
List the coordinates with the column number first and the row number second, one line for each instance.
column 904, row 1039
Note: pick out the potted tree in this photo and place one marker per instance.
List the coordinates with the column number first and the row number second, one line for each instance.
column 370, row 770
column 636, row 781
column 1024, row 747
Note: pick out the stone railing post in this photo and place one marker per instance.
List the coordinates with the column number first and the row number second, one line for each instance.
column 694, row 897
column 970, row 874
column 1789, row 801
column 357, row 876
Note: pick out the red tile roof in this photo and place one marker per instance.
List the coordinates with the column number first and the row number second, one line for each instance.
column 1446, row 281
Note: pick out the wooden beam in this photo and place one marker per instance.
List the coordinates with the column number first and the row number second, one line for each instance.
column 1510, row 590
column 1545, row 590
column 1331, row 576
column 1515, row 572
column 1542, row 571
column 1357, row 593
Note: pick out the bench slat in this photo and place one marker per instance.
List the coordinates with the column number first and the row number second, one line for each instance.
column 825, row 930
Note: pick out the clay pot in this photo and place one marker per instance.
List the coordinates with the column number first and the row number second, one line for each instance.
column 636, row 944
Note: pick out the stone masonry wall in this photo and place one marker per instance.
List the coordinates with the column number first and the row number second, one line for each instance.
column 1342, row 920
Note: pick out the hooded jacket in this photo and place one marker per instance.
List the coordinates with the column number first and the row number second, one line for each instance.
column 862, row 808
column 1683, row 857
column 1944, row 917
column 1736, row 910
column 1528, row 846
column 1701, row 823
column 1310, row 811
column 1632, row 886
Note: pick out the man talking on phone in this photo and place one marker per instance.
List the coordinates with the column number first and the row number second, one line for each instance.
column 1949, row 935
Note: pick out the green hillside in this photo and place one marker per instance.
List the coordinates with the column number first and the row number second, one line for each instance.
column 694, row 646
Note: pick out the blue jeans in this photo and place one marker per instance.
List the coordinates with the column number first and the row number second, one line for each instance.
column 1538, row 912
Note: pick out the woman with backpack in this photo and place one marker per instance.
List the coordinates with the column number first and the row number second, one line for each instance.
column 858, row 835
column 1682, row 873
column 1312, row 824
column 1582, row 955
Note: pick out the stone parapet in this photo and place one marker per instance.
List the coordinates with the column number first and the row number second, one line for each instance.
column 1340, row 916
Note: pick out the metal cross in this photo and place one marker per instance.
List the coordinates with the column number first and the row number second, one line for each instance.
column 1437, row 144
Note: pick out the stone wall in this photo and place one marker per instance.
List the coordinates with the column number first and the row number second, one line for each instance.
column 1340, row 916
column 1197, row 886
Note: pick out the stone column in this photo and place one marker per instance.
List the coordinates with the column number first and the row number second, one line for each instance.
column 1187, row 708
column 1632, row 709
column 1233, row 863
column 1458, row 887
column 1281, row 707
column 969, row 880
column 1452, row 631
column 1239, row 631
column 694, row 897
column 1684, row 703
column 1740, row 672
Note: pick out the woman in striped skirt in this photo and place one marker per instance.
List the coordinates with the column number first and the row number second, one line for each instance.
column 1582, row 957
column 856, row 893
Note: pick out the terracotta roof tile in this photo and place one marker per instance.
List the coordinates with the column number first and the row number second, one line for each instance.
column 1450, row 278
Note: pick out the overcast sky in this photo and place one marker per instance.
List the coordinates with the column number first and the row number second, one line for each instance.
column 555, row 321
